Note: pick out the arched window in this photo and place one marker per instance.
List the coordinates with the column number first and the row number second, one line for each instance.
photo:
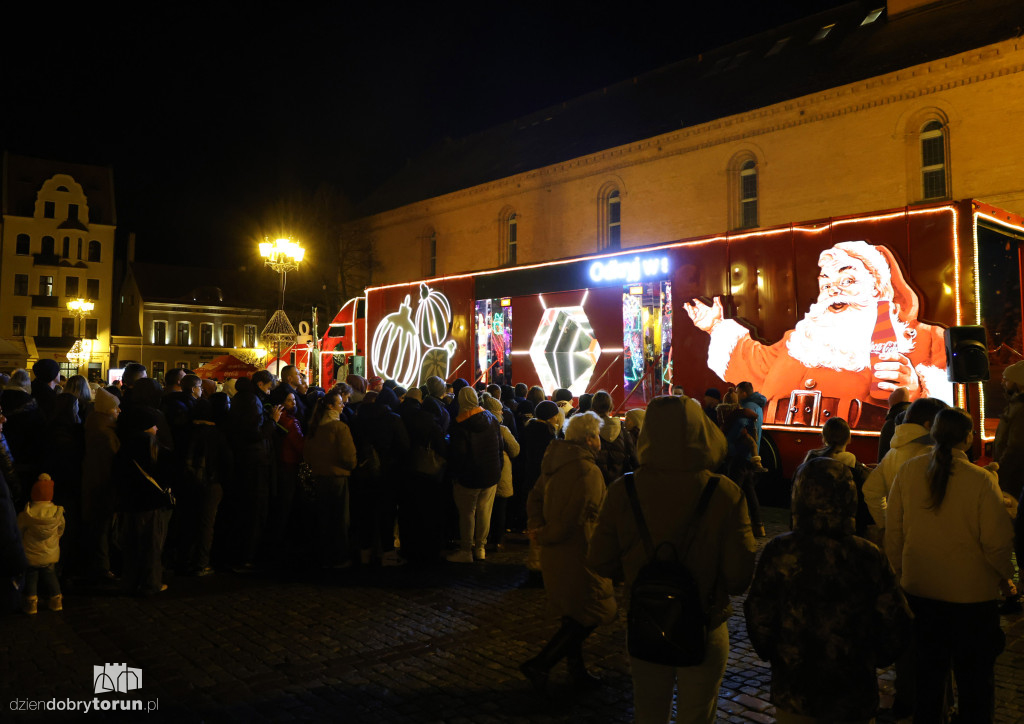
column 94, row 250
column 748, row 194
column 614, row 220
column 66, row 248
column 933, row 161
column 23, row 245
column 512, row 239
column 609, row 217
column 508, row 237
column 47, row 249
column 430, row 254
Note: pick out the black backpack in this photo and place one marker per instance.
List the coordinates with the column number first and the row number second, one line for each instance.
column 667, row 621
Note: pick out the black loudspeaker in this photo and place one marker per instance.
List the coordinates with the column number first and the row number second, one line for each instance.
column 966, row 354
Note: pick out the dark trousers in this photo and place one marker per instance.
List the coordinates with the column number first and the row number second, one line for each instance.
column 144, row 534
column 965, row 637
column 332, row 519
column 421, row 516
column 282, row 499
column 740, row 471
column 252, row 483
column 208, row 500
column 46, row 574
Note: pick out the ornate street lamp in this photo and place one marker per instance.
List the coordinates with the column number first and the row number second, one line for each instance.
column 81, row 352
column 283, row 256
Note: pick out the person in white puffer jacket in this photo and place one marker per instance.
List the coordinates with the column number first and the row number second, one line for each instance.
column 41, row 525
column 912, row 438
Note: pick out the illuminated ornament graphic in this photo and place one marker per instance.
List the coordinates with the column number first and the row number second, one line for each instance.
column 433, row 317
column 436, row 361
column 395, row 351
column 408, row 350
column 565, row 350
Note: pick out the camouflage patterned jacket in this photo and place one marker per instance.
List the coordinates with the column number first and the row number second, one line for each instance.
column 824, row 607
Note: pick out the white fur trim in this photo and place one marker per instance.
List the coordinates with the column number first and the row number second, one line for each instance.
column 724, row 338
column 934, row 383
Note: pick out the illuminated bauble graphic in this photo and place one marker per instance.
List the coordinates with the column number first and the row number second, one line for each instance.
column 565, row 350
column 436, row 361
column 395, row 352
column 433, row 317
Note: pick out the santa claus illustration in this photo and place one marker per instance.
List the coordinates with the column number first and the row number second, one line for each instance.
column 825, row 367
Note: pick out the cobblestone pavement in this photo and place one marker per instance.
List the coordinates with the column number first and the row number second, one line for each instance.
column 384, row 645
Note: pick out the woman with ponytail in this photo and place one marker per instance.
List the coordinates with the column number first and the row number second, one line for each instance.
column 949, row 540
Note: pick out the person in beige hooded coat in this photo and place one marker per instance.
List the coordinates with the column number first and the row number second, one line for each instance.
column 678, row 448
column 563, row 508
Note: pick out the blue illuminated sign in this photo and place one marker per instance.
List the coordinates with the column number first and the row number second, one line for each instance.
column 629, row 270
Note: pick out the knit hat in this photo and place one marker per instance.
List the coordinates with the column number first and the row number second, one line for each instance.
column 1015, row 373
column 357, row 383
column 492, row 405
column 375, row 384
column 104, row 402
column 46, row 370
column 713, row 392
column 546, row 410
column 468, row 399
column 42, row 489
column 562, row 394
column 414, row 394
column 229, row 388
column 435, row 387
column 635, row 418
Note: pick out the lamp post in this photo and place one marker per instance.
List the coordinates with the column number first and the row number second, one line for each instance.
column 283, row 256
column 81, row 352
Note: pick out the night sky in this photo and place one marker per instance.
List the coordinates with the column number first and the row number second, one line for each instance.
column 212, row 116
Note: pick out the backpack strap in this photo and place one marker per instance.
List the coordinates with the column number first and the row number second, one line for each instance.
column 641, row 524
column 638, row 515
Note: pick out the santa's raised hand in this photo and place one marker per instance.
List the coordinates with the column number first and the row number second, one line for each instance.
column 705, row 317
column 897, row 371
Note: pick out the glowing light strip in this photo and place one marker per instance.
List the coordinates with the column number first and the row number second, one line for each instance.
column 583, row 302
column 816, row 430
column 816, row 228
column 542, row 303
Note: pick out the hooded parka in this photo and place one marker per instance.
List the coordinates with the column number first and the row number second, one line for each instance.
column 563, row 507
column 678, row 449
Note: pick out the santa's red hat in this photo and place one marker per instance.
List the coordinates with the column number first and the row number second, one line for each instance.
column 889, row 280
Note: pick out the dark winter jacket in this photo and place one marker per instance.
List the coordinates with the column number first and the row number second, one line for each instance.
column 617, row 455
column 889, row 428
column 136, row 492
column 534, row 438
column 379, row 429
column 23, row 429
column 475, row 448
column 423, row 422
column 824, row 607
column 10, row 474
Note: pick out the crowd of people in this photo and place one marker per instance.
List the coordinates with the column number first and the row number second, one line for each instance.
column 107, row 486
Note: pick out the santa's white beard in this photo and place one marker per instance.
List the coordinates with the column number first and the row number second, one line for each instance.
column 839, row 340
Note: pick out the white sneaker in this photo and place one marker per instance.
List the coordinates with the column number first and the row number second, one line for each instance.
column 480, row 553
column 391, row 558
column 459, row 556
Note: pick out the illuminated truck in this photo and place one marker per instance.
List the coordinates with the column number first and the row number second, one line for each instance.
column 825, row 318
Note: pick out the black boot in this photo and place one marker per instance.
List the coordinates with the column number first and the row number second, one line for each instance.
column 538, row 668
column 582, row 678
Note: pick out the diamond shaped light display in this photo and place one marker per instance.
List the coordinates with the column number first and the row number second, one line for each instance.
column 564, row 350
